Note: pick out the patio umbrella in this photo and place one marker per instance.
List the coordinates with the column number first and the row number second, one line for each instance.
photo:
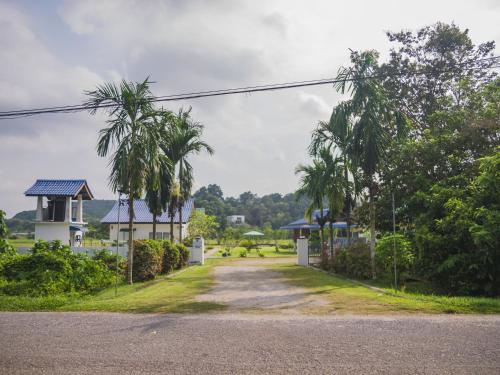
column 253, row 233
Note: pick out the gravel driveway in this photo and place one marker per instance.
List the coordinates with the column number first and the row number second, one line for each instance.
column 104, row 343
column 244, row 285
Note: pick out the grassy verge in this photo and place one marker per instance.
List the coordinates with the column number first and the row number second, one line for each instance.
column 165, row 294
column 267, row 251
column 346, row 297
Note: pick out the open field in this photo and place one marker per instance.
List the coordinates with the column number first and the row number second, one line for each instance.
column 25, row 242
column 267, row 251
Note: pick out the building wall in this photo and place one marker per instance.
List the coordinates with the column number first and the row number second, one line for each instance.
column 142, row 231
column 50, row 231
column 236, row 219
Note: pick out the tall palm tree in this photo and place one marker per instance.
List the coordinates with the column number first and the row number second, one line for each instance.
column 336, row 136
column 313, row 186
column 182, row 140
column 375, row 120
column 132, row 135
column 159, row 176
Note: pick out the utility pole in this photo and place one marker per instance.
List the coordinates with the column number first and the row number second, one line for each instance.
column 394, row 242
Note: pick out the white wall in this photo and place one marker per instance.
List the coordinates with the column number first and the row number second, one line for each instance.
column 50, row 231
column 142, row 231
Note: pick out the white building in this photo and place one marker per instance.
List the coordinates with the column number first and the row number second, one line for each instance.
column 59, row 210
column 143, row 221
column 236, row 219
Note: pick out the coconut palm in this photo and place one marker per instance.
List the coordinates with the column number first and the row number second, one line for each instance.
column 132, row 137
column 375, row 120
column 183, row 139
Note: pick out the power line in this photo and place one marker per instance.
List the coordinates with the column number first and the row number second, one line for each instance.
column 13, row 114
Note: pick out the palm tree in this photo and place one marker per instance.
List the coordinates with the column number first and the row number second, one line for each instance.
column 334, row 189
column 159, row 177
column 313, row 186
column 133, row 136
column 336, row 136
column 375, row 120
column 183, row 139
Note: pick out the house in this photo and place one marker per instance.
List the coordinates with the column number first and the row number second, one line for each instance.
column 143, row 221
column 59, row 210
column 235, row 219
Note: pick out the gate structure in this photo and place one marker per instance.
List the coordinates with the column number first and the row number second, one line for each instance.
column 314, row 253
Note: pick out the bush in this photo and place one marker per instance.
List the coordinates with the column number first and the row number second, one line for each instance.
column 243, row 253
column 171, row 257
column 384, row 255
column 148, row 256
column 110, row 260
column 354, row 261
column 287, row 246
column 247, row 244
column 52, row 269
column 183, row 256
column 260, row 254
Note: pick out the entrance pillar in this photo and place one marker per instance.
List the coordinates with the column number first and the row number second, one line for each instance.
column 303, row 252
column 197, row 253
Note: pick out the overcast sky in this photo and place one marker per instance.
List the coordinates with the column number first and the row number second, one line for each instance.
column 51, row 51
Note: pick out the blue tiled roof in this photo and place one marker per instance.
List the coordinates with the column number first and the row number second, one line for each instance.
column 63, row 188
column 142, row 214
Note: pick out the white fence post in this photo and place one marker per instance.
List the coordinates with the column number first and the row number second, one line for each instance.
column 302, row 252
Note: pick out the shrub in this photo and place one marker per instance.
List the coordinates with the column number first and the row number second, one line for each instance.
column 53, row 269
column 243, row 253
column 260, row 254
column 247, row 244
column 110, row 260
column 148, row 256
column 183, row 256
column 171, row 257
column 354, row 261
column 384, row 255
column 287, row 245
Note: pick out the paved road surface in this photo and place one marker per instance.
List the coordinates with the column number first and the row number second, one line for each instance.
column 104, row 343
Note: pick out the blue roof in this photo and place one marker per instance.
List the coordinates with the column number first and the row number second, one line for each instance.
column 142, row 214
column 61, row 188
column 300, row 224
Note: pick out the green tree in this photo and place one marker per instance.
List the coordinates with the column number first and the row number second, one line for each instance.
column 4, row 231
column 133, row 135
column 375, row 119
column 183, row 139
column 201, row 224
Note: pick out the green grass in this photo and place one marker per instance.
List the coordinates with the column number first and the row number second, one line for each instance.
column 165, row 294
column 268, row 251
column 25, row 242
column 344, row 296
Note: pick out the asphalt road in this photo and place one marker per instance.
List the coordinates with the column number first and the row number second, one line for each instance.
column 104, row 343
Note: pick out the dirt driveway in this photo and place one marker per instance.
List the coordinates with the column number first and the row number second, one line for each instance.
column 247, row 284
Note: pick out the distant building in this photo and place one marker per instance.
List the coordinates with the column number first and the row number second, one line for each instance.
column 236, row 219
column 59, row 210
column 143, row 221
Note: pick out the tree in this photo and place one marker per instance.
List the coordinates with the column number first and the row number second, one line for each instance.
column 182, row 140
column 132, row 134
column 375, row 119
column 312, row 185
column 4, row 231
column 201, row 224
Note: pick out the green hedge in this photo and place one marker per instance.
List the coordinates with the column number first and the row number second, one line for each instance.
column 354, row 261
column 148, row 257
column 183, row 256
column 51, row 269
column 171, row 257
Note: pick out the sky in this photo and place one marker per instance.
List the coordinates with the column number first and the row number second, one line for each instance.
column 52, row 51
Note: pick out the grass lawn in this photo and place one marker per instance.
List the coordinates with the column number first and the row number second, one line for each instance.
column 346, row 297
column 165, row 294
column 268, row 251
column 25, row 242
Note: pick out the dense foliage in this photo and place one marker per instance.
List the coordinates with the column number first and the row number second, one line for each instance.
column 52, row 269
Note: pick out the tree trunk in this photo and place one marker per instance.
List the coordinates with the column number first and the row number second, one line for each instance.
column 332, row 254
column 372, row 229
column 347, row 201
column 154, row 226
column 130, row 237
column 180, row 223
column 172, row 228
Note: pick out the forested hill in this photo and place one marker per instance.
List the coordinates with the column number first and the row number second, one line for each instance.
column 272, row 209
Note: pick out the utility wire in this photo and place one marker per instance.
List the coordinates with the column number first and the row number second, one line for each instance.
column 494, row 62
